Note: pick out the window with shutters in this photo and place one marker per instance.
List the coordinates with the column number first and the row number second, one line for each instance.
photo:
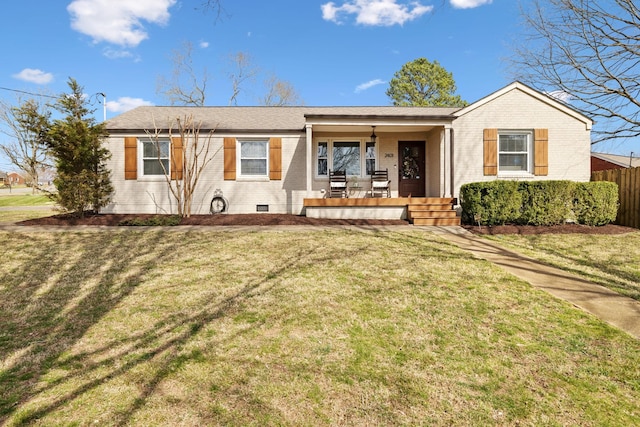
column 253, row 161
column 155, row 159
column 514, row 152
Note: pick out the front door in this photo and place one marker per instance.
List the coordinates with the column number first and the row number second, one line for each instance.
column 411, row 171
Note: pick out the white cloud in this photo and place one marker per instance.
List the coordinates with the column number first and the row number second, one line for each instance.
column 126, row 103
column 117, row 21
column 375, row 12
column 116, row 53
column 469, row 4
column 369, row 85
column 203, row 44
column 34, row 76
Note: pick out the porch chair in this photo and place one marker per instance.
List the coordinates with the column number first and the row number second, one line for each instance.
column 380, row 183
column 338, row 184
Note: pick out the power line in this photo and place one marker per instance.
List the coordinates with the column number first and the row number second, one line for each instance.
column 28, row 93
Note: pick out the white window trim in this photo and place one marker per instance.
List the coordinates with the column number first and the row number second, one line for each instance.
column 330, row 141
column 140, row 160
column 530, row 154
column 239, row 176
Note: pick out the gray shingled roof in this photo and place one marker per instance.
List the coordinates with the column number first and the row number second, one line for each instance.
column 260, row 118
column 626, row 161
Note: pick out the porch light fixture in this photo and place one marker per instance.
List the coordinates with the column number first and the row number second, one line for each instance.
column 373, row 134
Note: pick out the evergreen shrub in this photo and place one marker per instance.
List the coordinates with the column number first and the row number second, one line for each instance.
column 539, row 202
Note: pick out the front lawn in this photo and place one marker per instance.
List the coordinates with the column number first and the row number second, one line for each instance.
column 169, row 327
column 610, row 260
column 24, row 200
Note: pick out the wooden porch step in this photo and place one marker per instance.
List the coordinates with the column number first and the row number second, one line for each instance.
column 433, row 212
column 436, row 221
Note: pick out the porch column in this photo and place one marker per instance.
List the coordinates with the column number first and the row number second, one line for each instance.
column 445, row 162
column 309, row 165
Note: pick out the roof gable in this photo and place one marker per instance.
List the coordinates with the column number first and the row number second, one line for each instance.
column 531, row 92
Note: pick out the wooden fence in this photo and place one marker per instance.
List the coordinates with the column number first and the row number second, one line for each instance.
column 628, row 181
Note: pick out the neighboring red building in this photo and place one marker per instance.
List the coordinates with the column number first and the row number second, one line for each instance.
column 603, row 161
column 14, row 178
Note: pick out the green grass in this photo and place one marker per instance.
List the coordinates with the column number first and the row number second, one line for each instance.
column 25, row 200
column 610, row 260
column 13, row 216
column 170, row 327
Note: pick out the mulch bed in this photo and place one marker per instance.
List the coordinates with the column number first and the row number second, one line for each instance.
column 553, row 229
column 285, row 219
column 222, row 219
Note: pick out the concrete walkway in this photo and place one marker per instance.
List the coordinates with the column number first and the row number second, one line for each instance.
column 613, row 308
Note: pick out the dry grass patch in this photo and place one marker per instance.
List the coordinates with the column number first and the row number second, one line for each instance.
column 293, row 328
column 610, row 260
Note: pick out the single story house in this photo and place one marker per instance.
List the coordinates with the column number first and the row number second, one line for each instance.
column 15, row 178
column 604, row 161
column 278, row 159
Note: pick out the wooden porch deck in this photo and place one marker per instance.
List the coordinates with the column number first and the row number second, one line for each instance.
column 417, row 210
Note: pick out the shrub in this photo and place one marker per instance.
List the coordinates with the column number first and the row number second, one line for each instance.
column 596, row 203
column 546, row 202
column 539, row 202
column 491, row 203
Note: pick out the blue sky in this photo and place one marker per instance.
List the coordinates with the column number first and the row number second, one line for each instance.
column 340, row 52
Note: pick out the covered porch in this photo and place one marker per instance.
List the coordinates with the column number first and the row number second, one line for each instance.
column 416, row 150
column 414, row 146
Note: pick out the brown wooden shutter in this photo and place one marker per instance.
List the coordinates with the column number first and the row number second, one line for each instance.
column 177, row 158
column 275, row 158
column 541, row 152
column 491, row 151
column 229, row 159
column 130, row 157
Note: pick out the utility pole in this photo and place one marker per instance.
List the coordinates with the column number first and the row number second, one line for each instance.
column 104, row 105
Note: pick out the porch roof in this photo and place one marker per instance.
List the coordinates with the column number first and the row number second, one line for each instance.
column 283, row 119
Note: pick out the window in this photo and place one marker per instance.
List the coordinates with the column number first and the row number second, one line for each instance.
column 323, row 159
column 514, row 152
column 155, row 155
column 346, row 157
column 254, row 158
column 353, row 157
column 370, row 156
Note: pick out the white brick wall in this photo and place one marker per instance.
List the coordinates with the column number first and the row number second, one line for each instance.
column 569, row 139
column 152, row 196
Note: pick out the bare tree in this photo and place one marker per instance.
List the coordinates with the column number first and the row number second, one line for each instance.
column 215, row 7
column 189, row 153
column 184, row 87
column 242, row 71
column 26, row 126
column 279, row 93
column 586, row 52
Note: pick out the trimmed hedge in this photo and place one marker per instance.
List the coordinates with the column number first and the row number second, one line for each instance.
column 546, row 202
column 539, row 202
column 596, row 203
column 491, row 203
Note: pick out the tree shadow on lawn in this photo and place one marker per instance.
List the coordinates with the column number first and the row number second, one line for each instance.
column 58, row 291
column 55, row 294
column 619, row 280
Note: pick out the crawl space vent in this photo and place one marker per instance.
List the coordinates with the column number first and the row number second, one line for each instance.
column 262, row 208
